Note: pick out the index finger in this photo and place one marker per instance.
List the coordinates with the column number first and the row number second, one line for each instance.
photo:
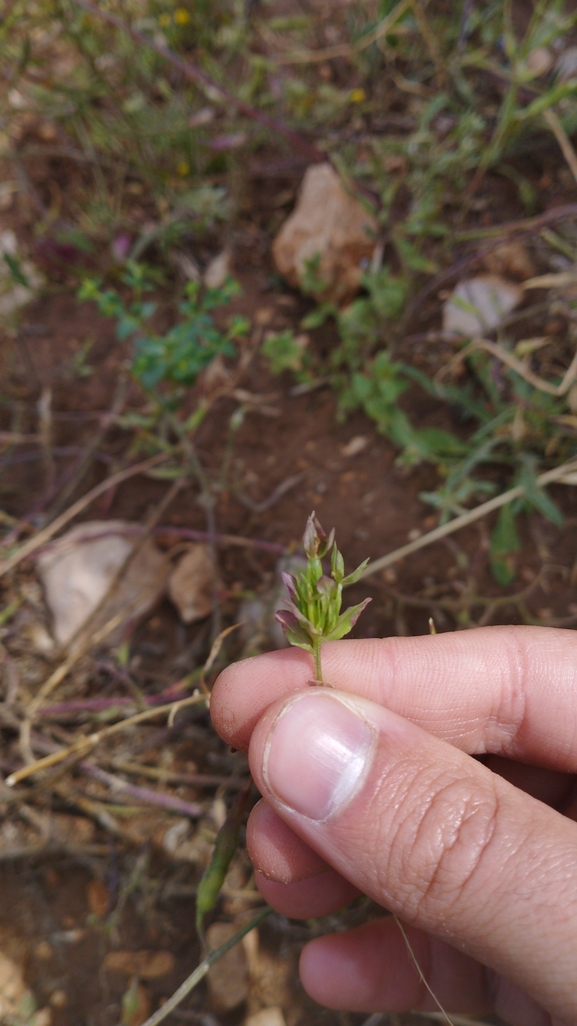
column 506, row 690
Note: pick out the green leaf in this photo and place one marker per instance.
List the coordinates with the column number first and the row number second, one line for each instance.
column 319, row 316
column 537, row 496
column 356, row 574
column 16, row 271
column 346, row 621
column 225, row 847
column 505, row 543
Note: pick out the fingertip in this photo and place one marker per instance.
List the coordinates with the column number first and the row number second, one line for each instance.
column 276, row 851
column 321, row 895
column 365, row 969
column 245, row 689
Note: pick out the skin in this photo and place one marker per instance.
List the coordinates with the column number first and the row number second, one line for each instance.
column 462, row 821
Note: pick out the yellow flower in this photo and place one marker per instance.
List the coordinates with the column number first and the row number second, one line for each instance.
column 181, row 16
column 183, row 168
column 164, row 20
column 358, row 96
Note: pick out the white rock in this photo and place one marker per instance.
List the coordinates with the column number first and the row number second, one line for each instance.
column 478, row 305
column 218, row 270
column 266, row 1017
column 330, row 223
column 356, row 445
column 190, row 584
column 78, row 569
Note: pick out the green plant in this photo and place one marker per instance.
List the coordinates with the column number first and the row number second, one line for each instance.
column 165, row 363
column 314, row 605
column 286, row 351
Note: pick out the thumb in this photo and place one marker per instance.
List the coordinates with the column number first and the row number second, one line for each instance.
column 428, row 832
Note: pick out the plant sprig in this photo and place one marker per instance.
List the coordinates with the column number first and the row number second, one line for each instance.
column 314, row 606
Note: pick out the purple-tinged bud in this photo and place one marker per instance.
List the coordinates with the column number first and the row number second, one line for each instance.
column 290, row 583
column 286, row 618
column 311, row 537
column 294, row 631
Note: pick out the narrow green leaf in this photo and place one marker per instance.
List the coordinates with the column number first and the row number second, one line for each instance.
column 226, row 844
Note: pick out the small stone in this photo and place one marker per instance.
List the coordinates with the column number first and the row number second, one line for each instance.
column 228, row 982
column 264, row 316
column 98, row 897
column 355, row 446
column 43, row 1017
column 330, row 225
column 266, row 1017
column 78, row 569
column 478, row 305
column 58, row 999
column 147, row 965
column 512, row 259
column 190, row 584
column 540, row 61
column 218, row 270
column 43, row 951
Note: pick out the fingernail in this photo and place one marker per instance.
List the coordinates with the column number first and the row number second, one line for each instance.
column 317, row 753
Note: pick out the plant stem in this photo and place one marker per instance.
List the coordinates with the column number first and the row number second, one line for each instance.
column 201, row 970
column 317, row 655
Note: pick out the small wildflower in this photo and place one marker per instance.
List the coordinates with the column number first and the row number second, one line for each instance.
column 314, row 603
column 358, row 96
column 181, row 16
column 183, row 168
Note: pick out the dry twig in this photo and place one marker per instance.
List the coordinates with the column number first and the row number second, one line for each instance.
column 86, row 744
column 563, row 140
column 516, row 365
column 48, row 532
column 560, row 474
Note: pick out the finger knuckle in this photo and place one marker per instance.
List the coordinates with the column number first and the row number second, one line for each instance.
column 440, row 844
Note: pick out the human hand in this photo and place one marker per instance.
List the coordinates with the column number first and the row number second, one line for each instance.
column 372, row 788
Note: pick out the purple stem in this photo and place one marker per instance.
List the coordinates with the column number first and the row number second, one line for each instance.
column 142, row 794
column 172, row 694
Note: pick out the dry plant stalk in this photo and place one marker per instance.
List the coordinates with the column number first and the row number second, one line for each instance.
column 77, row 507
column 564, row 474
column 85, row 744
